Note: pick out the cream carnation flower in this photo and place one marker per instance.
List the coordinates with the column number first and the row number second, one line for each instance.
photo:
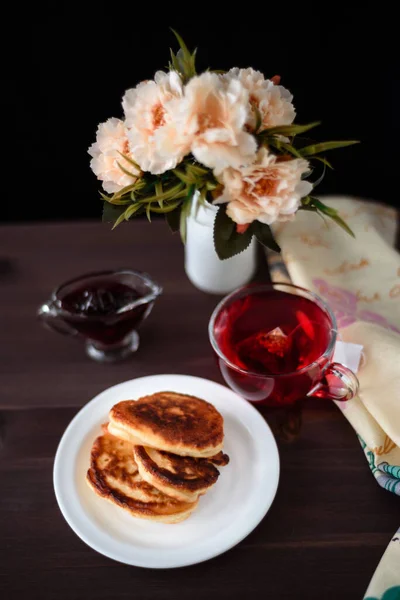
column 212, row 117
column 156, row 144
column 273, row 101
column 111, row 141
column 268, row 190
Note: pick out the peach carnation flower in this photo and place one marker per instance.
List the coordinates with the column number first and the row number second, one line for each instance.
column 212, row 117
column 268, row 190
column 111, row 141
column 273, row 101
column 156, row 144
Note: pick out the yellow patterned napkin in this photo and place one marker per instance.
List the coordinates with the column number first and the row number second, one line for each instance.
column 385, row 583
column 360, row 280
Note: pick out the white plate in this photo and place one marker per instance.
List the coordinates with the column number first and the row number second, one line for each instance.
column 230, row 511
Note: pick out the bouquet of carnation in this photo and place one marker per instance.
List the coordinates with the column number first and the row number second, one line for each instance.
column 226, row 138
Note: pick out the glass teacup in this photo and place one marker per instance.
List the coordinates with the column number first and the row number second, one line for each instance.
column 104, row 309
column 274, row 345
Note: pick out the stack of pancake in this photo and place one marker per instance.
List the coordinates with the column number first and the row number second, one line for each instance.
column 158, row 455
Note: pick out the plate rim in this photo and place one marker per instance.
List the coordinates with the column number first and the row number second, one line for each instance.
column 178, row 563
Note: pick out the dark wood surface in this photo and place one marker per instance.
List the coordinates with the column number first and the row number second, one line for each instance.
column 330, row 521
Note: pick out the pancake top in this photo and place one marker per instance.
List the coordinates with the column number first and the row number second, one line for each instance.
column 114, row 475
column 172, row 419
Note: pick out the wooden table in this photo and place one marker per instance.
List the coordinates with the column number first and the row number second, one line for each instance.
column 330, row 521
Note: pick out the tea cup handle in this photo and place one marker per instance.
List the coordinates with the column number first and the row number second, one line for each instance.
column 338, row 383
column 47, row 313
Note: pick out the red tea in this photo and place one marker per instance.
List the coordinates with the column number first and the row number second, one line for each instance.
column 270, row 334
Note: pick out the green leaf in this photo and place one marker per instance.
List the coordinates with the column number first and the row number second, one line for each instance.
column 203, row 196
column 181, row 194
column 173, row 220
column 258, row 118
column 227, row 241
column 290, row 129
column 123, row 191
column 126, row 171
column 183, row 223
column 184, row 59
column 183, row 66
column 327, row 210
column 182, row 44
column 148, row 213
column 308, row 208
column 130, row 160
column 314, row 209
column 323, row 160
column 264, row 235
column 118, row 201
column 193, row 61
column 197, row 170
column 320, row 178
column 131, row 210
column 158, row 188
column 280, row 145
column 325, row 146
column 168, row 194
column 165, row 208
column 175, row 62
column 201, row 200
column 185, row 210
column 332, row 213
column 186, row 64
column 339, row 221
column 183, row 176
column 111, row 212
column 118, row 221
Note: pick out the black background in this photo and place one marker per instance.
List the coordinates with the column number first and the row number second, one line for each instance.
column 67, row 66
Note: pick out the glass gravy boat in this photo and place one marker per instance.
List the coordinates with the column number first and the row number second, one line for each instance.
column 104, row 309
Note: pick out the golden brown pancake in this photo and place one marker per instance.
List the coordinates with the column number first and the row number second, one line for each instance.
column 220, row 459
column 114, row 475
column 181, row 477
column 169, row 421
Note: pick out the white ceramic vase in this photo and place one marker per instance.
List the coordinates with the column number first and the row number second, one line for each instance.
column 202, row 265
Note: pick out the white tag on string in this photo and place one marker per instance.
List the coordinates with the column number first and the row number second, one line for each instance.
column 348, row 355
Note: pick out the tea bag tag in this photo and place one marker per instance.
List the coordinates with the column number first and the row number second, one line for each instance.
column 348, row 355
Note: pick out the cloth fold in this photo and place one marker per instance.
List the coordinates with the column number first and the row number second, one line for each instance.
column 375, row 412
